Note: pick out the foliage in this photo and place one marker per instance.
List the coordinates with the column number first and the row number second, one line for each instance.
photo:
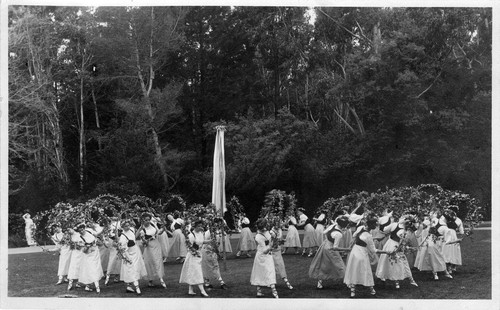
column 403, row 201
column 361, row 99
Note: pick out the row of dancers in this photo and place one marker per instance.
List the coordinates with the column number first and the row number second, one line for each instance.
column 429, row 245
column 384, row 247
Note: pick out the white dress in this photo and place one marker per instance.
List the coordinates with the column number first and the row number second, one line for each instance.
column 76, row 256
column 309, row 233
column 178, row 244
column 263, row 271
column 399, row 268
column 28, row 230
column 64, row 254
column 152, row 254
column 327, row 263
column 320, row 228
column 279, row 264
column 358, row 268
column 135, row 269
column 429, row 256
column 191, row 272
column 292, row 236
column 452, row 253
column 90, row 265
column 209, row 262
column 247, row 241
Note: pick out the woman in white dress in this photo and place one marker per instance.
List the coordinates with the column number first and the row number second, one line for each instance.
column 429, row 256
column 292, row 239
column 263, row 270
column 210, row 263
column 178, row 245
column 363, row 254
column 451, row 250
column 153, row 259
column 114, row 263
column 76, row 245
column 90, row 266
column 62, row 246
column 327, row 264
column 279, row 263
column 309, row 241
column 222, row 231
column 192, row 273
column 28, row 230
column 320, row 221
column 396, row 267
column 132, row 268
column 247, row 241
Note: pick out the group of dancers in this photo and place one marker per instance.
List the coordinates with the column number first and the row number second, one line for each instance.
column 384, row 246
column 352, row 248
column 89, row 253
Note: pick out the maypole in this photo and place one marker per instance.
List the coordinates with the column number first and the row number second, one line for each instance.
column 218, row 184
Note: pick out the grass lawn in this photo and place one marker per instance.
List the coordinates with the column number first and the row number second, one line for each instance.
column 34, row 275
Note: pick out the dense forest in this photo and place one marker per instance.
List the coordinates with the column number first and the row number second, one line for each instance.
column 125, row 100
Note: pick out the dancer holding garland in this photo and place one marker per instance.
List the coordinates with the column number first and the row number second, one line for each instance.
column 429, row 256
column 61, row 241
column 451, row 250
column 263, row 270
column 363, row 254
column 209, row 257
column 320, row 221
column 133, row 267
column 178, row 245
column 277, row 240
column 292, row 239
column 327, row 264
column 148, row 233
column 394, row 266
column 247, row 241
column 90, row 266
column 76, row 245
column 113, row 266
column 309, row 241
column 192, row 273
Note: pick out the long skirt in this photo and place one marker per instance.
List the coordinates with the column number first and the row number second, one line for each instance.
column 327, row 264
column 74, row 264
column 247, row 241
column 411, row 255
column 263, row 271
column 136, row 269
column 430, row 258
column 397, row 269
column 114, row 263
column 309, row 237
column 178, row 245
column 452, row 253
column 165, row 244
column 153, row 260
column 319, row 234
column 292, row 239
column 91, row 268
column 209, row 264
column 358, row 269
column 64, row 260
column 191, row 272
column 279, row 264
column 104, row 254
column 227, row 244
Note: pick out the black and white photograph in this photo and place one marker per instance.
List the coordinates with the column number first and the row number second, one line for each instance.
column 228, row 155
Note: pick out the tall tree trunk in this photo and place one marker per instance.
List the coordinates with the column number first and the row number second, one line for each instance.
column 146, row 87
column 81, row 153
